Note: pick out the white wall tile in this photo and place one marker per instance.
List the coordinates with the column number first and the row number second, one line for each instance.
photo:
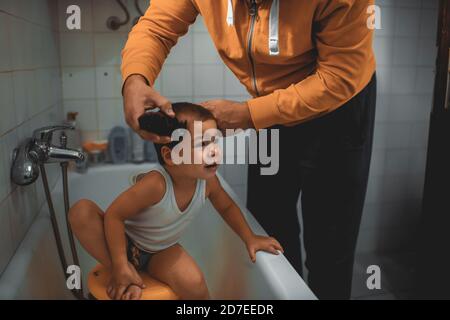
column 233, row 87
column 383, row 107
column 428, row 23
column 425, row 80
column 9, row 142
column 397, row 162
column 398, row 135
column 402, row 108
column 408, row 3
column 6, row 247
column 199, row 25
column 380, row 136
column 403, row 80
column 419, row 135
column 417, row 162
column 37, row 46
column 384, row 48
column 22, row 93
column 23, row 206
column 77, row 49
column 405, row 51
column 177, row 80
column 367, row 240
column 109, row 82
column 374, row 191
column 44, row 90
column 3, row 172
column 108, row 48
column 427, row 51
column 209, row 80
column 395, row 188
column 110, row 113
column 6, row 5
column 409, row 108
column 78, row 83
column 377, row 163
column 51, row 45
column 21, row 44
column 5, row 52
column 182, row 52
column 406, row 22
column 371, row 215
column 8, row 118
column 384, row 80
column 204, row 50
column 34, row 11
column 430, row 4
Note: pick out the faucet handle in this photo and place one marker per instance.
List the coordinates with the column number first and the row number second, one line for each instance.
column 45, row 134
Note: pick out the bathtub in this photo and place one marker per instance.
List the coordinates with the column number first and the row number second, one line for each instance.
column 34, row 272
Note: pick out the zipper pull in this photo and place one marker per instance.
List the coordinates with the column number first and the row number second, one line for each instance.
column 253, row 9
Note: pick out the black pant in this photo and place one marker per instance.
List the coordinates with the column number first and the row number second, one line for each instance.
column 328, row 160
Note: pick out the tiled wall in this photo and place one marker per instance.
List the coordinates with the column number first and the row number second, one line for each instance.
column 90, row 60
column 30, row 97
column 405, row 49
column 406, row 52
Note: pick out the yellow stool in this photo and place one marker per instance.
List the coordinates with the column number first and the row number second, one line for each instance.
column 98, row 280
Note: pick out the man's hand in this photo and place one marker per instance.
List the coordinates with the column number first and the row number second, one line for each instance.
column 122, row 278
column 230, row 114
column 138, row 97
column 257, row 243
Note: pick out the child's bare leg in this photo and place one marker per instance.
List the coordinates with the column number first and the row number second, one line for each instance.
column 175, row 267
column 86, row 221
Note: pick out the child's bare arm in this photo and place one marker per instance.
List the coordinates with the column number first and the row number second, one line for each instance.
column 145, row 193
column 228, row 209
column 233, row 216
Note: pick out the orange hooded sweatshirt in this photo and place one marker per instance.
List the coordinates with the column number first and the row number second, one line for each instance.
column 299, row 59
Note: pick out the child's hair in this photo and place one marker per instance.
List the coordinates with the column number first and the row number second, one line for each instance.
column 161, row 124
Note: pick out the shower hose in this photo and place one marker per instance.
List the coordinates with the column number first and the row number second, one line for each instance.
column 78, row 293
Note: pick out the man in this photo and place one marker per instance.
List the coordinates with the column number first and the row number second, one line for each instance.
column 311, row 69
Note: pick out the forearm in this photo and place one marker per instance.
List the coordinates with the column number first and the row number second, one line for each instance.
column 235, row 219
column 115, row 239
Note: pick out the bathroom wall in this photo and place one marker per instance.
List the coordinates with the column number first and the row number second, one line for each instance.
column 406, row 52
column 30, row 97
column 90, row 60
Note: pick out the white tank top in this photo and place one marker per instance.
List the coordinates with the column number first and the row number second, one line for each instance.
column 161, row 225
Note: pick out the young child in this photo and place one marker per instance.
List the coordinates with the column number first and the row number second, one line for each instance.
column 141, row 228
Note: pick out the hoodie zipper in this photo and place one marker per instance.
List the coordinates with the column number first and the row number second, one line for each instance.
column 253, row 12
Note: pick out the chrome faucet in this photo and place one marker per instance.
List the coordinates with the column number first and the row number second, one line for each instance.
column 38, row 150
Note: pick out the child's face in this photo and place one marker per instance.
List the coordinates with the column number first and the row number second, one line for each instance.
column 205, row 149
